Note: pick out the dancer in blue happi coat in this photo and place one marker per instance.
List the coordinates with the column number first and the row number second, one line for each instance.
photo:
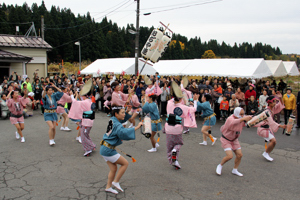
column 151, row 108
column 113, row 137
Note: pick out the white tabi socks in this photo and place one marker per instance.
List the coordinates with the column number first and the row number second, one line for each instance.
column 111, row 190
column 152, row 150
column 267, row 156
column 219, row 169
column 117, row 185
column 236, row 172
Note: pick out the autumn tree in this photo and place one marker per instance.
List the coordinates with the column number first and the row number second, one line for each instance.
column 209, row 54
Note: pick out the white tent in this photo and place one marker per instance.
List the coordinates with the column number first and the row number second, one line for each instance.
column 240, row 68
column 148, row 69
column 117, row 65
column 291, row 68
column 102, row 66
column 277, row 68
column 171, row 67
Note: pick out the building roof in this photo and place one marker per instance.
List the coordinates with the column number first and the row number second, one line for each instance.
column 6, row 55
column 23, row 42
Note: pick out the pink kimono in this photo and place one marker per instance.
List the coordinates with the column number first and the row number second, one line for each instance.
column 78, row 107
column 16, row 109
column 119, row 98
column 76, row 112
column 63, row 100
column 154, row 89
column 174, row 133
column 134, row 102
column 189, row 121
column 231, row 130
column 107, row 103
column 273, row 126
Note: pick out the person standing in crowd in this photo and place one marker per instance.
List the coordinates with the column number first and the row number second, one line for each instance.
column 101, row 89
column 107, row 105
column 107, row 91
column 193, row 88
column 233, row 103
column 281, row 86
column 249, row 93
column 3, row 107
column 73, row 79
column 215, row 94
column 252, row 106
column 37, row 90
column 298, row 110
column 201, row 85
column 229, row 92
column 263, row 100
column 224, row 107
column 139, row 89
column 165, row 93
column 50, row 104
column 289, row 101
column 126, row 87
column 28, row 84
column 96, row 93
column 59, row 83
column 208, row 86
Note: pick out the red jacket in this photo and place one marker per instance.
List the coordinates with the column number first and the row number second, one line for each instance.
column 224, row 105
column 248, row 94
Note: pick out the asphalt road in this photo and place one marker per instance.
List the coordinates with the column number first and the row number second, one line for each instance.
column 34, row 170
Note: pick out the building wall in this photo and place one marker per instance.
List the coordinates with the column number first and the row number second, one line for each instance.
column 39, row 57
column 16, row 67
column 30, row 52
column 31, row 68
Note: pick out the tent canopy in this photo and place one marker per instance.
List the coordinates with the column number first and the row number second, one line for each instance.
column 277, row 68
column 102, row 66
column 240, row 68
column 171, row 67
column 291, row 68
column 148, row 69
column 117, row 65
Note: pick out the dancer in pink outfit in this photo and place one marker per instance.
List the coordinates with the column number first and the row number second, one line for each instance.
column 15, row 106
column 231, row 130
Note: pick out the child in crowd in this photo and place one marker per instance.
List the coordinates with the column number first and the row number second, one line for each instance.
column 224, row 106
column 233, row 103
column 107, row 105
column 252, row 106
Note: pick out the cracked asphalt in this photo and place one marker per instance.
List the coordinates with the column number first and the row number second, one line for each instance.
column 34, row 170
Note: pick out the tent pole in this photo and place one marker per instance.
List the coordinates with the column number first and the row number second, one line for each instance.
column 143, row 67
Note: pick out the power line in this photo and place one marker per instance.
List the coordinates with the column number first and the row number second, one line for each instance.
column 85, row 13
column 185, row 3
column 89, row 21
column 87, row 34
column 182, row 7
column 16, row 22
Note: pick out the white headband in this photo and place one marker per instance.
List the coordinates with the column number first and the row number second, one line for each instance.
column 117, row 108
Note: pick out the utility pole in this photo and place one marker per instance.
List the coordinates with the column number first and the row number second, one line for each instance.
column 137, row 37
column 42, row 26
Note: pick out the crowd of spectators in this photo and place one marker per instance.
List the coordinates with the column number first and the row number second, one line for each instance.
column 226, row 94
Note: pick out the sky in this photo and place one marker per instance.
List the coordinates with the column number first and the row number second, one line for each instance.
column 274, row 22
